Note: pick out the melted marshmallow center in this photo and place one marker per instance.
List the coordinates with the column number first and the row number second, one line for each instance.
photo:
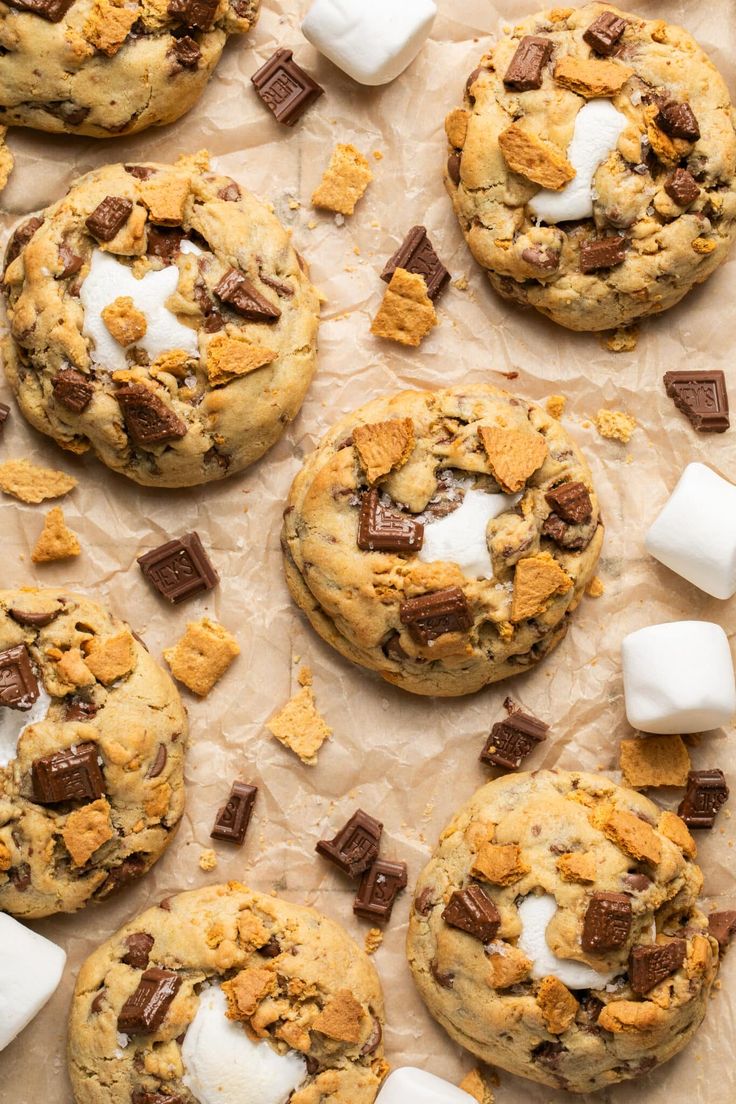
column 14, row 722
column 535, row 914
column 460, row 537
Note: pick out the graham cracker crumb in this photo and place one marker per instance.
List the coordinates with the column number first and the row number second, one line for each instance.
column 378, row 155
column 28, row 483
column 229, row 357
column 165, row 196
column 86, row 829
column 202, row 656
column 595, row 588
column 300, row 727
column 531, row 156
column 500, row 863
column 341, row 1018
column 557, row 1005
column 537, row 579
column 461, row 283
column 110, row 657
column 555, row 406
column 675, row 829
column 704, row 246
column 615, row 425
column 175, row 362
column 6, row 858
column 345, row 181
column 514, row 454
column 56, row 542
column 507, row 965
column 476, row 1085
column 72, row 671
column 373, row 940
column 304, row 678
column 207, row 860
column 383, row 446
column 406, row 314
column 246, row 990
column 655, row 761
column 591, row 77
column 124, row 321
column 574, row 866
column 622, row 340
column 109, row 24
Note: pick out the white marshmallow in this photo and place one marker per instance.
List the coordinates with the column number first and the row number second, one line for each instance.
column 695, row 534
column 107, row 280
column 597, row 127
column 372, row 42
column 678, row 678
column 413, row 1086
column 30, row 971
column 223, row 1066
column 460, row 537
column 13, row 722
column 535, row 914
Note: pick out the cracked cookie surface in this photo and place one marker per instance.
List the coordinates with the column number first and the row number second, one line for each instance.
column 160, row 317
column 92, row 742
column 618, row 875
column 489, row 598
column 105, row 67
column 293, row 981
column 662, row 200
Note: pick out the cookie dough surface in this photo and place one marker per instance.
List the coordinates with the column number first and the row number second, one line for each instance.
column 424, row 454
column 569, row 836
column 294, row 981
column 106, row 68
column 91, row 772
column 160, row 317
column 503, row 140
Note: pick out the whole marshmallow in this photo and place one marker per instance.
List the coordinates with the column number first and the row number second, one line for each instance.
column 460, row 537
column 535, row 914
column 30, row 971
column 413, row 1086
column 695, row 534
column 597, row 128
column 223, row 1066
column 372, row 42
column 13, row 722
column 678, row 678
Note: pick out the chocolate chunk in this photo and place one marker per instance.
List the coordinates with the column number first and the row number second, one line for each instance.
column 571, row 502
column 231, row 194
column 722, row 926
column 561, row 533
column 548, row 1054
column 81, row 711
column 69, row 775
column 601, row 253
column 604, row 33
column 186, row 52
column 473, row 911
column 423, row 904
column 701, row 397
column 678, row 120
column 512, row 740
column 109, row 217
column 70, row 262
column 4, row 413
column 432, row 615
column 129, row 870
column 640, row 883
column 232, row 820
column 20, row 238
column 378, row 890
column 682, row 187
column 18, row 684
column 272, row 949
column 199, row 14
column 20, row 876
column 145, row 1010
column 159, row 762
column 143, row 1096
column 416, row 254
column 240, row 294
column 52, row 10
column 705, row 794
column 607, row 922
column 140, row 172
column 148, row 419
column 445, row 980
column 98, row 1002
column 72, row 390
column 356, row 845
column 370, row 1046
column 139, row 950
column 68, row 111
column 34, row 620
column 527, row 65
column 383, row 530
column 286, row 90
column 180, row 568
column 454, row 162
column 651, row 964
column 544, row 258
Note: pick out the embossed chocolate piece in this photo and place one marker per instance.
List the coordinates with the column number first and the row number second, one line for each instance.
column 196, row 14
column 472, row 911
column 232, row 820
column 73, row 774
column 607, row 922
column 604, row 33
column 416, row 254
column 432, row 615
column 678, row 120
column 148, row 419
column 240, row 294
column 527, row 65
column 72, row 390
column 571, row 502
column 701, row 397
column 164, row 242
column 139, row 949
column 512, row 740
column 180, row 568
column 384, row 530
column 78, row 710
column 356, row 845
column 682, row 187
column 18, row 684
column 651, row 964
column 51, row 10
column 705, row 794
column 286, row 90
column 146, row 1008
column 722, row 926
column 4, row 413
column 109, row 217
column 602, row 253
column 378, row 890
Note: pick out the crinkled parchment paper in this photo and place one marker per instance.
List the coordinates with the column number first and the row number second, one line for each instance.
column 410, row 761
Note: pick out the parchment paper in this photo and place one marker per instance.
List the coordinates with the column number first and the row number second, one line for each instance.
column 409, row 761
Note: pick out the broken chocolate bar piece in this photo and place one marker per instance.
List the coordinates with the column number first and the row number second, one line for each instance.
column 20, row 238
column 604, row 33
column 416, row 255
column 232, row 820
column 4, row 413
column 682, row 187
column 607, row 922
column 602, row 253
column 678, row 120
column 651, row 964
column 180, row 568
column 356, row 845
column 186, row 52
column 286, row 90
column 73, row 774
column 139, row 946
column 145, row 1009
column 148, row 419
column 51, row 10
column 722, row 926
column 435, row 614
column 472, row 911
column 72, row 390
column 571, row 502
column 196, row 14
column 378, row 890
column 527, row 65
column 701, row 397
column 705, row 794
column 383, row 530
column 239, row 293
column 18, row 684
column 512, row 740
column 109, row 217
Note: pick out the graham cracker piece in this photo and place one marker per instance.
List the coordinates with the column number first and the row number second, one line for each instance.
column 304, row 676
column 615, row 425
column 669, row 151
column 555, row 406
column 622, row 1017
column 294, row 1036
column 595, row 588
column 246, row 990
column 28, row 483
column 86, row 829
column 110, row 657
column 631, row 834
column 476, row 1085
column 500, row 863
column 56, row 542
column 456, row 127
column 557, row 1004
column 174, row 361
column 251, row 932
column 624, row 339
column 514, row 454
column 230, row 357
column 108, row 25
column 507, row 965
column 345, row 181
column 202, row 656
column 536, row 580
column 165, row 196
column 406, row 314
column 531, row 156
column 383, row 446
column 6, row 858
column 71, row 669
column 341, row 1018
column 703, row 245
column 655, row 761
column 574, row 866
column 300, row 727
column 674, row 828
column 124, row 321
column 591, row 77
column 373, row 940
column 157, row 805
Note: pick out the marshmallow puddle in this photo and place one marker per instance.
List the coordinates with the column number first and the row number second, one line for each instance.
column 597, row 129
column 535, row 914
column 13, row 722
column 223, row 1066
column 107, row 281
column 460, row 537
column 30, row 970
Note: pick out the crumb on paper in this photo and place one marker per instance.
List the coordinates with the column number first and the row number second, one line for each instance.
column 207, row 860
column 615, row 425
column 622, row 340
column 203, row 654
column 462, row 283
column 300, row 727
column 595, row 588
column 555, row 406
column 373, row 940
column 56, row 541
column 654, row 761
column 406, row 314
column 28, row 483
column 345, row 181
column 304, row 678
column 378, row 155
